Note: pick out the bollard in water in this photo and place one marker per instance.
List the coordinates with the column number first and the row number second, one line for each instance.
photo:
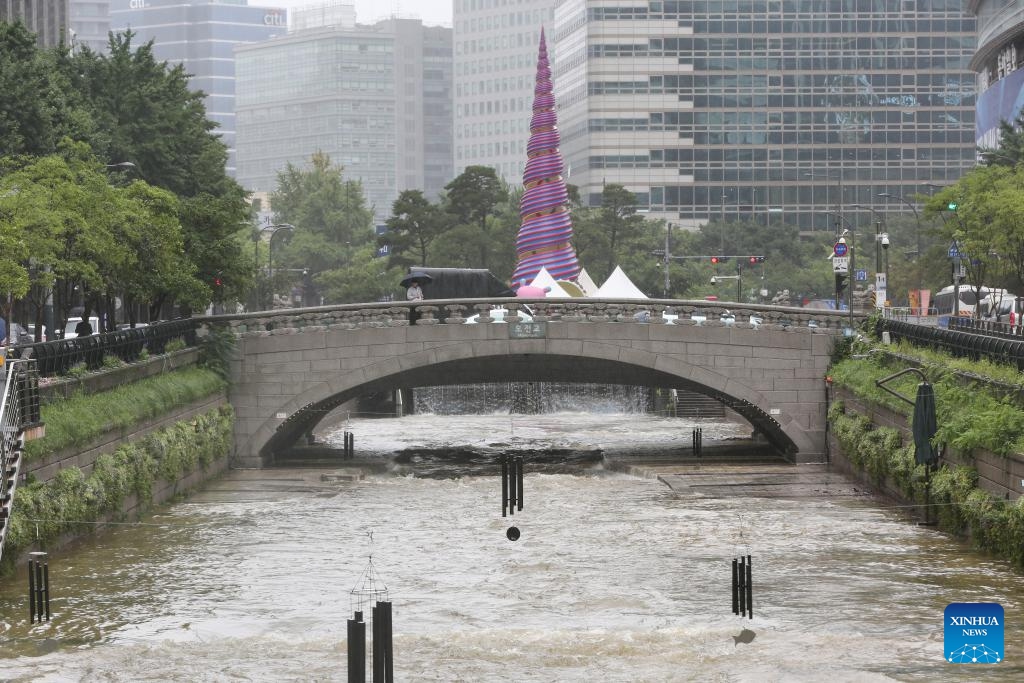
column 383, row 659
column 750, row 590
column 504, row 486
column 38, row 588
column 743, row 586
column 735, row 587
column 357, row 649
column 512, row 481
column 519, row 486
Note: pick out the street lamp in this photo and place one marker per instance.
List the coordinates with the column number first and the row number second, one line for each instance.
column 273, row 230
column 121, row 165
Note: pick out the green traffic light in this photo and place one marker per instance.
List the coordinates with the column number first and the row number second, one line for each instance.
column 951, row 206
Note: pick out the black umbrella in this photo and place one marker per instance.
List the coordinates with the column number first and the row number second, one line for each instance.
column 416, row 276
column 925, row 425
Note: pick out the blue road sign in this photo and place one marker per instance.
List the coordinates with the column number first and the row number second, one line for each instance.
column 954, row 250
column 840, row 249
column 861, row 275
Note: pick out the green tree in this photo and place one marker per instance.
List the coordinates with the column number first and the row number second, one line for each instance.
column 414, row 225
column 472, row 198
column 331, row 219
column 146, row 114
column 39, row 104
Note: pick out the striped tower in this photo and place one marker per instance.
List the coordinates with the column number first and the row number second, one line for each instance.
column 544, row 239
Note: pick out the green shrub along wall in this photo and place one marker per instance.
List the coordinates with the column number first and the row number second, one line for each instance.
column 970, row 415
column 71, row 501
column 79, row 420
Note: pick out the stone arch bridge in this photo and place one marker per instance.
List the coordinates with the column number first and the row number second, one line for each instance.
column 292, row 367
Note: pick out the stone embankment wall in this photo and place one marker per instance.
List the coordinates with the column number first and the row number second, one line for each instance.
column 1001, row 476
column 52, row 466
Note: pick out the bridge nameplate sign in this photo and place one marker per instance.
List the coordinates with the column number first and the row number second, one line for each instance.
column 523, row 330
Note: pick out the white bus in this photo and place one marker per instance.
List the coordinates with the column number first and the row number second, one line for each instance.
column 944, row 302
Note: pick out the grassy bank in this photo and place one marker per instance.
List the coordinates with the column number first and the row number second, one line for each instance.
column 81, row 419
column 978, row 405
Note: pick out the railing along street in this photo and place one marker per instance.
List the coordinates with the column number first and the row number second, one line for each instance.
column 59, row 356
column 19, row 414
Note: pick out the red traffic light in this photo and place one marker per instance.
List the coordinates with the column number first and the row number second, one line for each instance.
column 757, row 259
column 217, row 282
column 719, row 259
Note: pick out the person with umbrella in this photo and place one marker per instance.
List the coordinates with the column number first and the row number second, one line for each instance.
column 414, row 292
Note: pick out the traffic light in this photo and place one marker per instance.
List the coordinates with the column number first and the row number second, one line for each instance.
column 951, row 206
column 756, row 259
column 841, row 285
column 719, row 259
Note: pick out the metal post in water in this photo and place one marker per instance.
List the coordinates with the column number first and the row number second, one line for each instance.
column 750, row 590
column 38, row 587
column 504, row 486
column 512, row 480
column 378, row 645
column 357, row 649
column 735, row 587
column 743, row 586
column 519, row 487
column 388, row 645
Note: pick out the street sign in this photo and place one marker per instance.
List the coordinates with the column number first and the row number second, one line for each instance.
column 860, row 275
column 840, row 249
column 841, row 265
column 264, row 218
column 954, row 250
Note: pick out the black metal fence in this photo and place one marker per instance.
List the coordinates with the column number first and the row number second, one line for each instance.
column 991, row 327
column 58, row 357
column 966, row 343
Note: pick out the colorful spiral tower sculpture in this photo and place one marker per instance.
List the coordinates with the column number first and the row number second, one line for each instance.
column 544, row 239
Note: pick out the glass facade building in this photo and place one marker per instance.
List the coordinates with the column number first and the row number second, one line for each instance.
column 764, row 110
column 376, row 99
column 999, row 64
column 201, row 35
column 495, row 64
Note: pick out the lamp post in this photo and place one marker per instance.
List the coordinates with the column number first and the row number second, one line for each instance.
column 273, row 230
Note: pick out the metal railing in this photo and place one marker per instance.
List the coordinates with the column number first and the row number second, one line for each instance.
column 965, row 343
column 19, row 410
column 58, row 357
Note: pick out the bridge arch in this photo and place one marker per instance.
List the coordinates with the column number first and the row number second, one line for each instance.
column 293, row 366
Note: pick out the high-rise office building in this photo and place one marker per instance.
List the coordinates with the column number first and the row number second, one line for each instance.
column 201, row 35
column 48, row 19
column 999, row 63
column 767, row 110
column 495, row 63
column 376, row 99
column 90, row 24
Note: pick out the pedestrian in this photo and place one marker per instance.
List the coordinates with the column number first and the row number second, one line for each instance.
column 84, row 327
column 414, row 293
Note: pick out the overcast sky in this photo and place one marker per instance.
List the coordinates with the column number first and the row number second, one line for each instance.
column 432, row 12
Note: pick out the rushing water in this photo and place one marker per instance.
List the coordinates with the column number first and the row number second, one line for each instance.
column 615, row 578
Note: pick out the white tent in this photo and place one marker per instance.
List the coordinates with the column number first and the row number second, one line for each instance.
column 586, row 283
column 618, row 286
column 545, row 281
